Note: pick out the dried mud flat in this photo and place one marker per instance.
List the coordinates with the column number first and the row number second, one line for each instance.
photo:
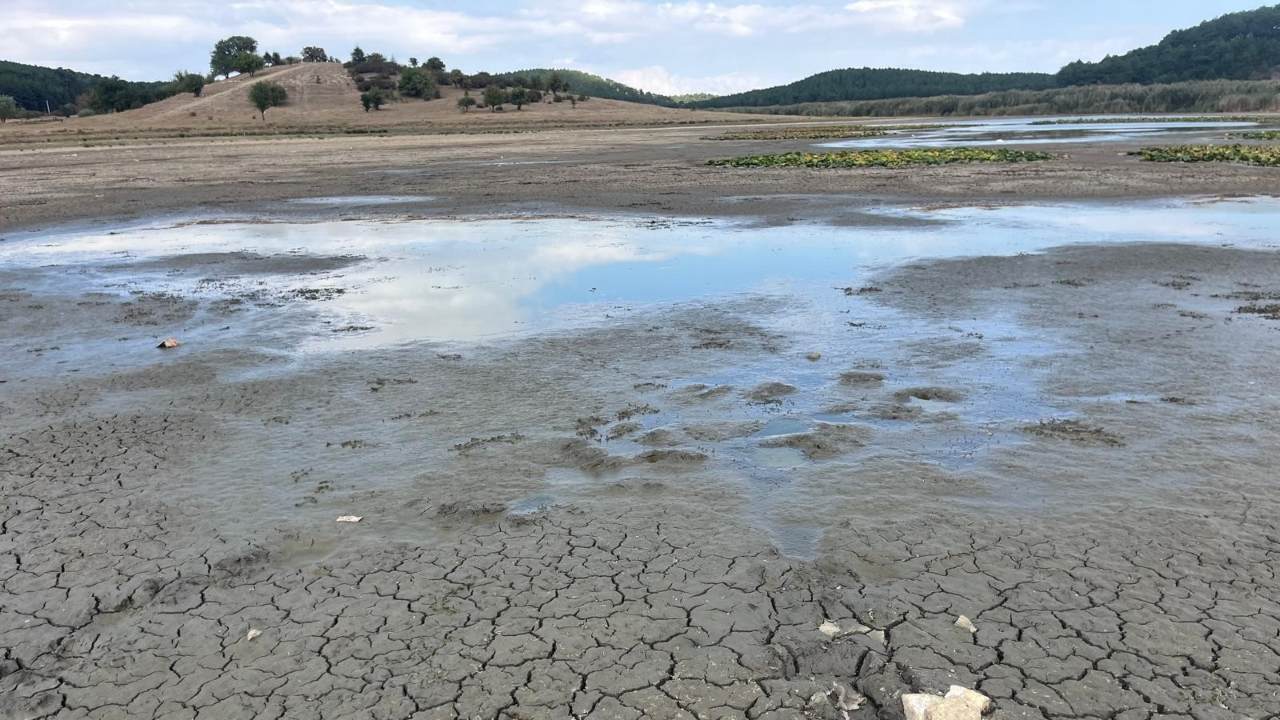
column 530, row 548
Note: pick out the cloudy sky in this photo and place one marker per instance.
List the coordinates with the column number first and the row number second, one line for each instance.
column 676, row 46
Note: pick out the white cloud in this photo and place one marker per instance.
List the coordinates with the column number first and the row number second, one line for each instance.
column 658, row 79
column 911, row 15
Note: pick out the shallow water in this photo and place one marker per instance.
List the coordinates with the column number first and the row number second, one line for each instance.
column 1032, row 131
column 478, row 282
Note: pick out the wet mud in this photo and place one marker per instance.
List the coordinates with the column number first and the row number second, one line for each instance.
column 656, row 516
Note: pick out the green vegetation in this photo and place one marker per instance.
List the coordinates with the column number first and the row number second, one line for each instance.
column 66, row 92
column 1239, row 46
column 373, row 99
column 494, row 97
column 185, row 82
column 875, row 84
column 419, row 83
column 803, row 133
column 265, row 95
column 8, row 108
column 1264, row 155
column 581, row 83
column 312, row 53
column 883, row 158
column 466, row 102
column 1259, row 135
column 237, row 53
column 1230, row 96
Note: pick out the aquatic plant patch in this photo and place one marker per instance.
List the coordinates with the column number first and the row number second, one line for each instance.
column 1264, row 155
column 1259, row 135
column 883, row 158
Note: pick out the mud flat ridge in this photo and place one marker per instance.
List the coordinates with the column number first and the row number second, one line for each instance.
column 659, row 512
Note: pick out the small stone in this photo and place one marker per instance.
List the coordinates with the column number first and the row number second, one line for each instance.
column 965, row 623
column 350, row 518
column 813, row 356
column 253, row 633
column 829, row 629
column 169, row 344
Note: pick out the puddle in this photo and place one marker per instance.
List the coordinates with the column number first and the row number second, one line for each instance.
column 1036, row 131
column 361, row 200
column 306, row 290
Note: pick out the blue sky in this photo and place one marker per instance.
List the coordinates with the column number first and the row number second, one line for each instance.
column 673, row 46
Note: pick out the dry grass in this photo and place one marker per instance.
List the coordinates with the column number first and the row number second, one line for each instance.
column 323, row 100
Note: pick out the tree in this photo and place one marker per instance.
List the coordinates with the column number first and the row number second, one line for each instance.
column 265, row 94
column 374, row 99
column 457, row 78
column 247, row 63
column 188, row 82
column 8, row 108
column 413, row 62
column 493, row 97
column 555, row 84
column 533, row 96
column 466, row 102
column 434, row 64
column 416, row 82
column 518, row 97
column 276, row 59
column 311, row 53
column 222, row 61
column 357, row 56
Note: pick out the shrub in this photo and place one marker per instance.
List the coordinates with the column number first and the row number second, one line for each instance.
column 494, row 97
column 417, row 82
column 184, row 82
column 373, row 99
column 8, row 108
column 466, row 102
column 265, row 95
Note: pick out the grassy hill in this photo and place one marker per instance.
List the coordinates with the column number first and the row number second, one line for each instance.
column 594, row 86
column 876, row 84
column 1239, row 46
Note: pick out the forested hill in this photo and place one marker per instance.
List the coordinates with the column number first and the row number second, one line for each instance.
column 876, row 84
column 593, row 85
column 31, row 85
column 1239, row 46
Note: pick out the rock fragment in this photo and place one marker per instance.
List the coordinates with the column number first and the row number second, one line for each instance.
column 964, row 623
column 350, row 518
column 169, row 344
column 959, row 703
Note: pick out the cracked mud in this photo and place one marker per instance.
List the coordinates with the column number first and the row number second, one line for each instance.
column 581, row 524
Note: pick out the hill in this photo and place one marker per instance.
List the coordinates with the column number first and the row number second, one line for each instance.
column 323, row 99
column 877, row 84
column 1239, row 46
column 32, row 86
column 592, row 85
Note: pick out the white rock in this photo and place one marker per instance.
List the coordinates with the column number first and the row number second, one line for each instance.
column 829, row 629
column 350, row 518
column 965, row 623
column 253, row 633
column 916, row 706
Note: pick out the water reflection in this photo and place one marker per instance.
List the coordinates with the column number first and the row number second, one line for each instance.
column 1037, row 131
column 466, row 280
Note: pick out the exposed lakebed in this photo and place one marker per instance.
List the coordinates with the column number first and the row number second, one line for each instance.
column 788, row 355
